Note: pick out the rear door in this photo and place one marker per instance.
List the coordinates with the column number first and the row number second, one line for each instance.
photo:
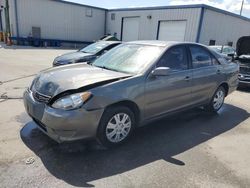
column 164, row 94
column 207, row 73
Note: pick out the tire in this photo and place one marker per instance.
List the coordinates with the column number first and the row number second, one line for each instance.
column 217, row 100
column 116, row 126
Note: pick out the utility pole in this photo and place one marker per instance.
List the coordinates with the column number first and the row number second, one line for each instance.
column 241, row 7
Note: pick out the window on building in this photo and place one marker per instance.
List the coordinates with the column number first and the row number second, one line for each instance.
column 230, row 43
column 89, row 12
column 36, row 32
column 212, row 42
column 112, row 16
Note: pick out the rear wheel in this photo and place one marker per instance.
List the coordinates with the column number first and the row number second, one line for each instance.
column 217, row 101
column 116, row 125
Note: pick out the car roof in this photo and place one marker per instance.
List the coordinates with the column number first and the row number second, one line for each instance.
column 108, row 42
column 162, row 43
column 153, row 42
column 220, row 46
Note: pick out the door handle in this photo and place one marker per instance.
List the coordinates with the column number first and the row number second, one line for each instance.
column 187, row 78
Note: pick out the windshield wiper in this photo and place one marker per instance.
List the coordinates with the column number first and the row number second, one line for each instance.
column 107, row 68
column 104, row 67
column 90, row 63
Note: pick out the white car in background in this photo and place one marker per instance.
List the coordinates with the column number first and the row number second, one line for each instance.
column 227, row 52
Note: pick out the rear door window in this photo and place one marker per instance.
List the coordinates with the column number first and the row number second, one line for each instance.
column 200, row 57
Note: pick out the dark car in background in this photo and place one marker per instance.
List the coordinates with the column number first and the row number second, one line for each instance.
column 243, row 58
column 86, row 54
column 227, row 52
column 127, row 87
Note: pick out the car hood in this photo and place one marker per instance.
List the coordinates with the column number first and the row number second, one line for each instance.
column 242, row 46
column 70, row 77
column 72, row 56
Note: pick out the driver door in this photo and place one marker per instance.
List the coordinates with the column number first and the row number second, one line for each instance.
column 165, row 94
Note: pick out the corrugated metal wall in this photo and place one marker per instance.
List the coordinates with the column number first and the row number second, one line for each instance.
column 12, row 17
column 2, row 18
column 59, row 20
column 65, row 21
column 148, row 27
column 222, row 28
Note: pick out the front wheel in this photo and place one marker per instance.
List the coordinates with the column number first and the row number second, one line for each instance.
column 116, row 125
column 217, row 101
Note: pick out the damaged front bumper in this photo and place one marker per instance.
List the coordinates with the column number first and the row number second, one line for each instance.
column 62, row 125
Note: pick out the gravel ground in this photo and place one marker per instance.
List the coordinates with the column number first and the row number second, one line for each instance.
column 192, row 149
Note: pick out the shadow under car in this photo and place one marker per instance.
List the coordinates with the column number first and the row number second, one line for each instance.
column 162, row 139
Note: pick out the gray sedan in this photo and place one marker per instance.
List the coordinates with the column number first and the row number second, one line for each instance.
column 87, row 54
column 129, row 86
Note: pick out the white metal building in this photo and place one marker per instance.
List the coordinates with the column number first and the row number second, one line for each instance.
column 193, row 23
column 57, row 19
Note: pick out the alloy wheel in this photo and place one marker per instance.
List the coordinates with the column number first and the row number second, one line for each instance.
column 118, row 127
column 218, row 99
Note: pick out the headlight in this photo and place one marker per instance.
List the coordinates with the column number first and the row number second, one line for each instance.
column 33, row 83
column 242, row 77
column 72, row 101
column 55, row 61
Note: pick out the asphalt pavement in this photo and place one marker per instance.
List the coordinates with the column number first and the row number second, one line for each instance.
column 190, row 149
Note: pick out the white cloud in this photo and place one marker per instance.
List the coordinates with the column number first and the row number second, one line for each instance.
column 229, row 5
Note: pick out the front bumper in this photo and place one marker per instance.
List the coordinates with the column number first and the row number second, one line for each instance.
column 244, row 80
column 62, row 125
column 244, row 83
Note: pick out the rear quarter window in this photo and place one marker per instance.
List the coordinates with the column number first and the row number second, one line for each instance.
column 219, row 58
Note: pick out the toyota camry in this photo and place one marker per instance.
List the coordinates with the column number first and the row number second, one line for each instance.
column 127, row 87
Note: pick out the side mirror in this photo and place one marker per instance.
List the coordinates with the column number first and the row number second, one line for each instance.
column 161, row 71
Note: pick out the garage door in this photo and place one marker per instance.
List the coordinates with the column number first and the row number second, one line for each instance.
column 130, row 29
column 172, row 30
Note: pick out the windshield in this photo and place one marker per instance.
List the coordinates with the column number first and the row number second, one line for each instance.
column 95, row 47
column 129, row 58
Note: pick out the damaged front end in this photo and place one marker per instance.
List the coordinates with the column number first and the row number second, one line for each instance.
column 56, row 98
column 243, row 58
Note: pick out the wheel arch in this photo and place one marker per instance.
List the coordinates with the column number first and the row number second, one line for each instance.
column 131, row 105
column 225, row 86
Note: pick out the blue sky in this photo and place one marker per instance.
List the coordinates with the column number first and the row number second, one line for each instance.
column 229, row 5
